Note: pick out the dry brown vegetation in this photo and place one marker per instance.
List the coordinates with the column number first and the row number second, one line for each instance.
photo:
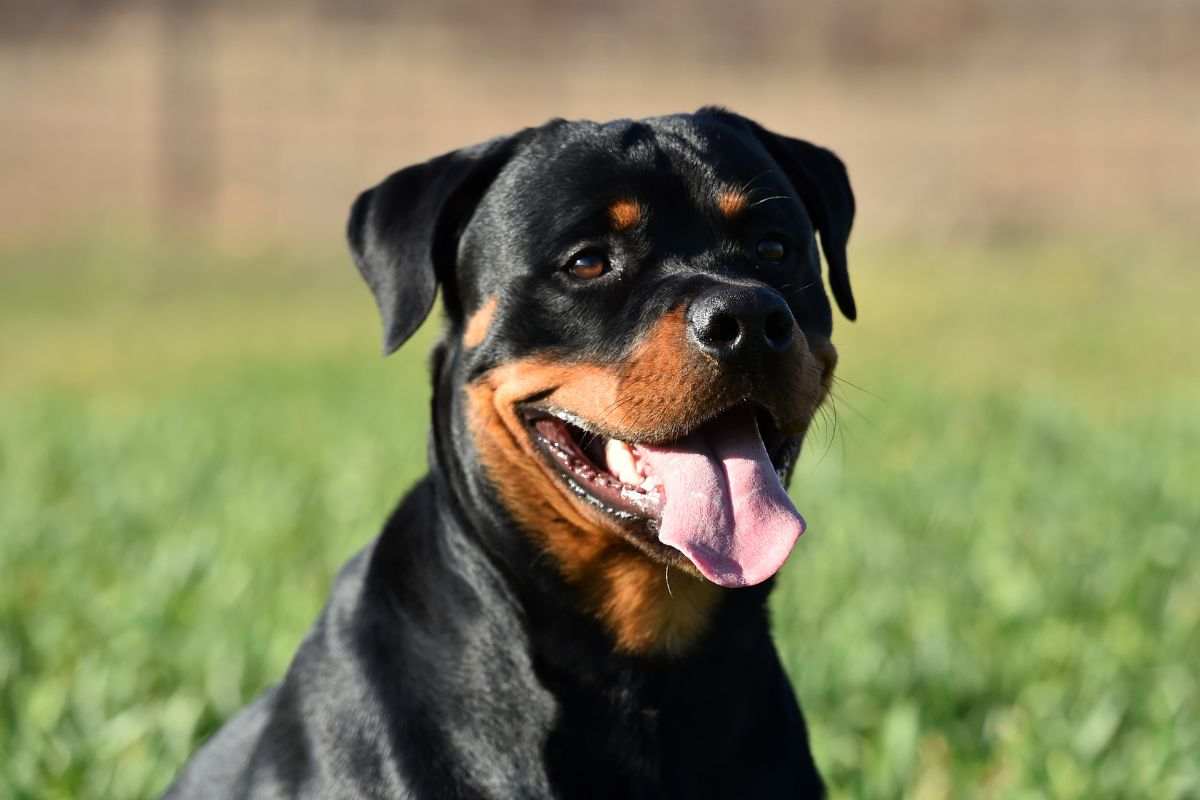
column 955, row 116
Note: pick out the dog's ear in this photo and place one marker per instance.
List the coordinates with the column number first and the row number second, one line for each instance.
column 819, row 178
column 404, row 232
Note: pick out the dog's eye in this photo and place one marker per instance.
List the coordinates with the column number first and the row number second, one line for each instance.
column 771, row 250
column 588, row 265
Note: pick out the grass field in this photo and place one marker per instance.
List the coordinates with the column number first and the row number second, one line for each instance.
column 999, row 595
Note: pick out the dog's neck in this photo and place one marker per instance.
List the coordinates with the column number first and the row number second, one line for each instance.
column 510, row 578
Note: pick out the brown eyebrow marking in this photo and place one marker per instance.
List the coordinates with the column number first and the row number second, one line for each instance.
column 626, row 213
column 479, row 323
column 732, row 202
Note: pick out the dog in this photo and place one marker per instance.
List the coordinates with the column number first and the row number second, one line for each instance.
column 572, row 602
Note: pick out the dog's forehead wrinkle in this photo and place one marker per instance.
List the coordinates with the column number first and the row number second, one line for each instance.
column 727, row 157
column 624, row 149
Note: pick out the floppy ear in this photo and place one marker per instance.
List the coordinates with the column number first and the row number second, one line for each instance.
column 820, row 178
column 404, row 232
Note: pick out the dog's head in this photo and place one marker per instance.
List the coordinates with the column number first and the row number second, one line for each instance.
column 637, row 332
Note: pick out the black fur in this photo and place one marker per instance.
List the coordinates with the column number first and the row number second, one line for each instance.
column 452, row 659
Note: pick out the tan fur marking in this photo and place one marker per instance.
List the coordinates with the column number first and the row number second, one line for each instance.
column 625, row 214
column 479, row 324
column 650, row 608
column 732, row 202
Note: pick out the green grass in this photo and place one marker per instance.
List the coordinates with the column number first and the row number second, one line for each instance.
column 999, row 595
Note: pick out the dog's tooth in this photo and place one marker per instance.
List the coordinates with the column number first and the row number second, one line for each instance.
column 621, row 461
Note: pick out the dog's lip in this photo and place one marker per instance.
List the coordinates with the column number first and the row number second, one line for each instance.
column 535, row 407
column 783, row 447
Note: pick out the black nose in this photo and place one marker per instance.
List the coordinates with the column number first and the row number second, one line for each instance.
column 740, row 323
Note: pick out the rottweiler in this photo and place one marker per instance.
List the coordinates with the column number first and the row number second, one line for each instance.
column 572, row 602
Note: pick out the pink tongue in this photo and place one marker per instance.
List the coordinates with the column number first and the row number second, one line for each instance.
column 724, row 507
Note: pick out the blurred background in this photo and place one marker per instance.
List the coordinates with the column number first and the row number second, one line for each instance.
column 1000, row 592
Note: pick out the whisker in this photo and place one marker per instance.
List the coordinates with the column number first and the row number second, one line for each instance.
column 853, row 385
column 830, row 414
column 855, row 409
column 747, row 187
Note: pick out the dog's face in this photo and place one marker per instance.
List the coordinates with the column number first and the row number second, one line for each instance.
column 637, row 328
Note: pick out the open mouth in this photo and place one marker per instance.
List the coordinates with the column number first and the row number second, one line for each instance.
column 715, row 495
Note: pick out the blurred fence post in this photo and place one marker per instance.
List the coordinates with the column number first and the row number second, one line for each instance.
column 188, row 157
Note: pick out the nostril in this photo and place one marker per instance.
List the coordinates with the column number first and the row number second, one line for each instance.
column 778, row 328
column 742, row 324
column 723, row 329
